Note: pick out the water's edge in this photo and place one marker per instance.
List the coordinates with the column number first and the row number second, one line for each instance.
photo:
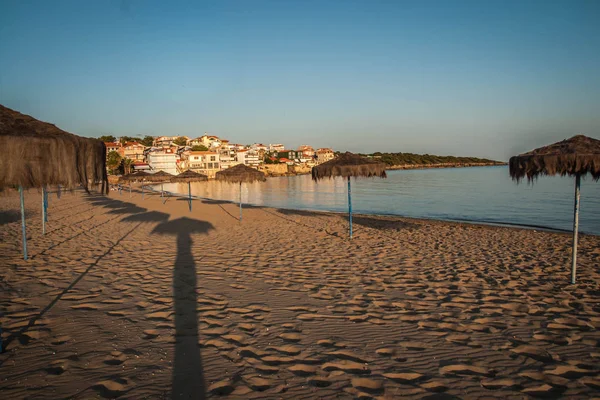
column 156, row 189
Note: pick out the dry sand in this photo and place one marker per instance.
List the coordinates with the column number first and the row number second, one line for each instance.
column 129, row 297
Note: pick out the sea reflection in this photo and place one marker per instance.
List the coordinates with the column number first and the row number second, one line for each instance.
column 477, row 194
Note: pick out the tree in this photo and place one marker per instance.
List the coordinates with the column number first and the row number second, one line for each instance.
column 200, row 147
column 180, row 141
column 125, row 139
column 107, row 138
column 147, row 141
column 127, row 163
column 113, row 160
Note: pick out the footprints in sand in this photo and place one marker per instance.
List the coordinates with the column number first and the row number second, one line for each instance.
column 404, row 377
column 433, row 317
column 110, row 389
column 291, row 337
column 85, row 307
column 367, row 385
column 534, row 352
column 115, row 358
column 347, row 366
column 303, row 369
column 464, row 369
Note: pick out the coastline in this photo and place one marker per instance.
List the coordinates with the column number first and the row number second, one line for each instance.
column 444, row 165
column 398, row 167
column 488, row 223
column 306, row 171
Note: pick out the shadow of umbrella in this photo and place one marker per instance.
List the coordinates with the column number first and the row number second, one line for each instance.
column 150, row 216
column 128, row 208
column 188, row 378
column 7, row 217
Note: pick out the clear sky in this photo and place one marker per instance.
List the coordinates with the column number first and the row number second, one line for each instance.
column 480, row 78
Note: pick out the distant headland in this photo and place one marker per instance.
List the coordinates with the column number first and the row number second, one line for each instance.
column 420, row 161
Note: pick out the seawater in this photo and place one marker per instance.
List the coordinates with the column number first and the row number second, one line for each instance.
column 478, row 194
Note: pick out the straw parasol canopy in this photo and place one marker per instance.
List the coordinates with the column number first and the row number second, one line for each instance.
column 136, row 176
column 189, row 176
column 349, row 165
column 38, row 154
column 240, row 173
column 160, row 176
column 578, row 155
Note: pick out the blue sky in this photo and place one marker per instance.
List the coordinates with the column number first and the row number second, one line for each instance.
column 479, row 78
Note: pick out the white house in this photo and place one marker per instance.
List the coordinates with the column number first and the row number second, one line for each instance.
column 259, row 146
column 307, row 151
column 276, row 147
column 164, row 160
column 248, row 157
column 166, row 141
column 227, row 157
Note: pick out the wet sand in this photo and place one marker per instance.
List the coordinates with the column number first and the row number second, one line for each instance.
column 129, row 297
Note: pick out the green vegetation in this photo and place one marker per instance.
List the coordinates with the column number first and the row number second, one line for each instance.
column 147, row 141
column 180, row 141
column 200, row 147
column 125, row 139
column 126, row 165
column 107, row 138
column 425, row 159
column 113, row 161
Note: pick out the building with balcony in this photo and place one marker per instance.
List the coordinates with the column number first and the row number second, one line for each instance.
column 204, row 162
column 164, row 160
column 248, row 157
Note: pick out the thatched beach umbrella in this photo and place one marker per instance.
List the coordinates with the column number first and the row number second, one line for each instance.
column 162, row 177
column 239, row 174
column 349, row 165
column 576, row 157
column 189, row 177
column 135, row 177
column 37, row 154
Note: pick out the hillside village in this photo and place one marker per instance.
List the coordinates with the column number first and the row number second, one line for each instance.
column 207, row 155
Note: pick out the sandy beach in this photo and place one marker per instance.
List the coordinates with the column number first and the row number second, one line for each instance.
column 129, row 297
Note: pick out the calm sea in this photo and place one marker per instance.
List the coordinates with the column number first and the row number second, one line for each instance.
column 479, row 194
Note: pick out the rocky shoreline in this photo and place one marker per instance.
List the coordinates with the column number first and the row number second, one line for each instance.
column 445, row 165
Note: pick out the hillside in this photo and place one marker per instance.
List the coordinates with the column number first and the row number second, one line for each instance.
column 425, row 160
